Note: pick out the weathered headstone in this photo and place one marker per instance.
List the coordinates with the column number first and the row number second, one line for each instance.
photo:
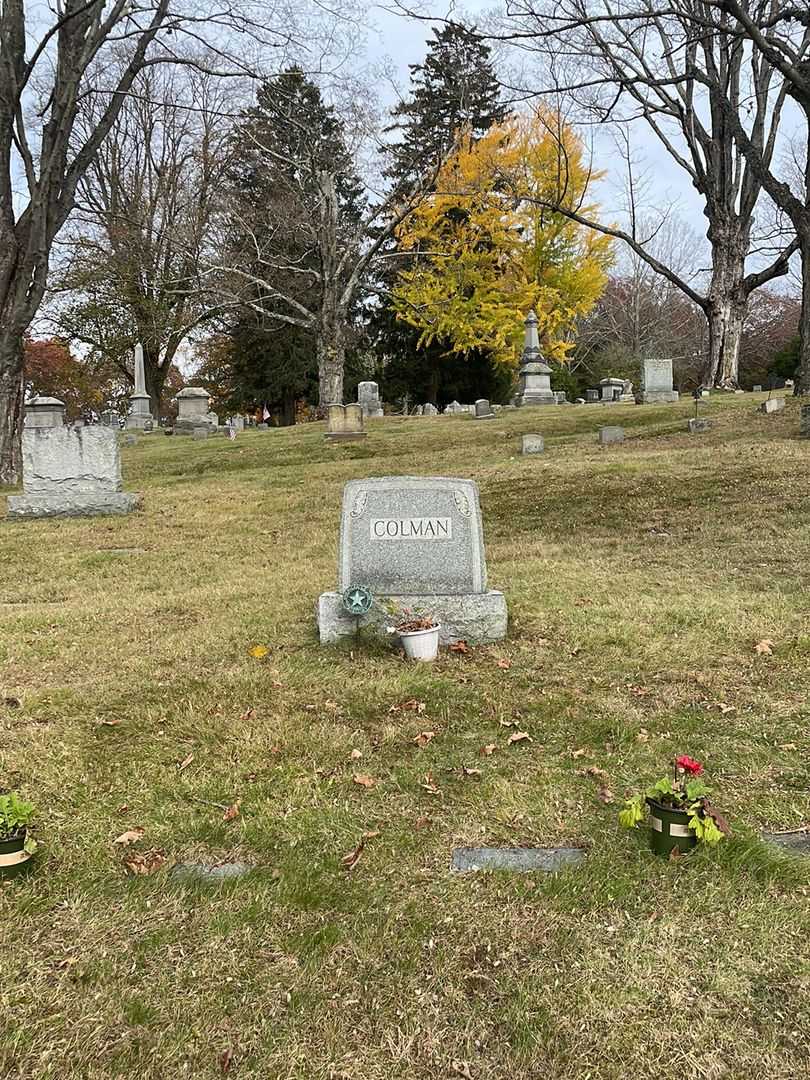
column 656, row 382
column 705, row 393
column 612, row 434
column 201, row 432
column 534, row 377
column 417, row 542
column 591, row 395
column 368, row 398
column 429, row 410
column 44, row 412
column 483, row 410
column 698, row 425
column 262, row 426
column 617, row 390
column 772, row 405
column 756, row 389
column 193, row 411
column 70, row 472
column 344, row 423
column 532, row 444
column 140, row 414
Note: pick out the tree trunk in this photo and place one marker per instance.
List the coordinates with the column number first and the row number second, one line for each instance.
column 11, row 400
column 727, row 306
column 803, row 370
column 331, row 350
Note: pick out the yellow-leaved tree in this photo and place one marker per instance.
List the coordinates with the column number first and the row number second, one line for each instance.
column 486, row 253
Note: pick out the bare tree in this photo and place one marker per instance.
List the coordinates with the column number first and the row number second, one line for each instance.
column 144, row 208
column 646, row 60
column 49, row 73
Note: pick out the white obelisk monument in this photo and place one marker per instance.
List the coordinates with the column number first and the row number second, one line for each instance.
column 140, row 415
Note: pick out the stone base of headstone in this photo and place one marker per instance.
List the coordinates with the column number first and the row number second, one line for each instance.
column 262, row 427
column 532, row 444
column 698, row 426
column 534, row 397
column 659, row 397
column 344, row 436
column 21, row 507
column 477, row 618
column 608, row 435
column 772, row 405
column 139, row 423
column 201, row 432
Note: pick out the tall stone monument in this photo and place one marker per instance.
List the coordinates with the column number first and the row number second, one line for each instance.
column 68, row 471
column 415, row 542
column 140, row 414
column 534, row 377
column 368, row 397
column 656, row 382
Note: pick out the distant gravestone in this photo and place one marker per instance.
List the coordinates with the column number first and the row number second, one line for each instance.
column 609, row 435
column 698, row 425
column 200, row 432
column 429, row 410
column 656, row 382
column 532, row 444
column 70, row 472
column 140, row 414
column 483, row 410
column 534, row 377
column 416, row 541
column 344, row 423
column 193, row 411
column 44, row 412
column 368, row 398
column 756, row 389
column 772, row 405
column 262, row 426
column 591, row 396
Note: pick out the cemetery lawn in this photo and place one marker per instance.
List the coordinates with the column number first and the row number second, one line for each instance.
column 658, row 605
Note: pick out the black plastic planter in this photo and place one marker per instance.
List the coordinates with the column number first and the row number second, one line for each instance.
column 669, row 828
column 13, row 856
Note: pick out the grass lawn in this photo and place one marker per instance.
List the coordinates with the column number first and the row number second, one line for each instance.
column 639, row 579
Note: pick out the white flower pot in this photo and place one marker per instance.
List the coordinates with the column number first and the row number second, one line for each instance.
column 420, row 644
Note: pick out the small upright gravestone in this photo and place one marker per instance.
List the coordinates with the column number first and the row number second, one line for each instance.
column 532, row 444
column 697, row 425
column 608, row 435
column 68, row 471
column 415, row 542
column 344, row 423
column 534, row 377
column 483, row 411
column 368, row 398
column 756, row 389
column 772, row 405
column 429, row 410
column 656, row 382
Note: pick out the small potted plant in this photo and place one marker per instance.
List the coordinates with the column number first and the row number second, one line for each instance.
column 16, row 846
column 419, row 634
column 680, row 812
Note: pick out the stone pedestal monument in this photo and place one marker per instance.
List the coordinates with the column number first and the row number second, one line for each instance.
column 534, row 385
column 193, row 411
column 368, row 397
column 656, row 382
column 414, row 542
column 140, row 414
column 68, row 471
column 617, row 390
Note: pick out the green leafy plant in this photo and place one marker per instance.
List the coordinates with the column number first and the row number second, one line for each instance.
column 15, row 816
column 683, row 791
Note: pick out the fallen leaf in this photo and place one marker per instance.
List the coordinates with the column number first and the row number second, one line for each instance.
column 508, row 723
column 429, row 785
column 232, row 812
column 764, row 647
column 146, row 863
column 122, row 809
column 350, row 859
column 226, row 1060
column 248, row 714
column 725, row 709
column 519, row 736
column 789, row 746
column 184, row 764
column 424, row 737
column 593, row 770
column 421, row 822
column 461, row 1068
column 276, row 685
column 363, row 780
column 460, row 647
column 643, row 735
column 258, row 652
column 488, row 750
column 675, row 855
column 131, row 836
column 355, row 754
column 470, row 772
column 639, row 691
column 13, row 703
column 504, row 663
column 579, row 753
column 605, row 795
column 110, row 723
column 412, row 705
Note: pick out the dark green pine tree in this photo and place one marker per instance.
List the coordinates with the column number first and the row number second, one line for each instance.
column 281, row 145
column 454, row 91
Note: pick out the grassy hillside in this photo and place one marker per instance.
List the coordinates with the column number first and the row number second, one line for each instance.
column 639, row 579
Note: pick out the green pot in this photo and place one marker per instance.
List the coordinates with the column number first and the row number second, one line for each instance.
column 669, row 828
column 13, row 856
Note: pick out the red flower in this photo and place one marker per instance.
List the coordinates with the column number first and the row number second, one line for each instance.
column 689, row 765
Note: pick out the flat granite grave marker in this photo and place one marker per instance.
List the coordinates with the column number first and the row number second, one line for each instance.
column 532, row 444
column 416, row 542
column 611, row 434
column 70, row 472
column 520, row 860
